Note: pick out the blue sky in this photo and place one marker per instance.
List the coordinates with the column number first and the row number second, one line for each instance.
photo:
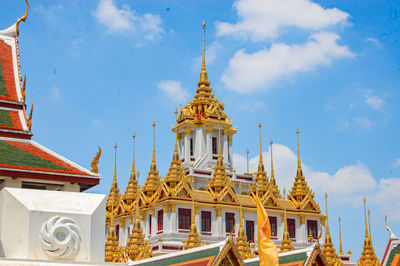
column 99, row 70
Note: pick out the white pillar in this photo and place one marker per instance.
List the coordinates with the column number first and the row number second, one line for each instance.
column 209, row 141
column 187, row 145
column 230, row 149
column 225, row 149
column 172, row 221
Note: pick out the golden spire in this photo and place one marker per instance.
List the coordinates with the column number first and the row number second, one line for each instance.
column 176, row 172
column 286, row 242
column 274, row 187
column 193, row 240
column 368, row 256
column 299, row 170
column 23, row 18
column 242, row 244
column 111, row 245
column 261, row 179
column 370, row 232
column 130, row 191
column 220, row 177
column 328, row 250
column 340, row 238
column 203, row 74
column 114, row 195
column 153, row 179
column 137, row 247
column 369, row 225
column 300, row 188
column 247, row 154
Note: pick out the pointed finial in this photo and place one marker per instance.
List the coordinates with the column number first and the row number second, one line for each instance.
column 299, row 170
column 326, row 210
column 176, row 113
column 203, row 62
column 369, row 224
column 115, row 162
column 340, row 238
column 272, row 165
column 23, row 18
column 259, row 126
column 247, row 153
column 365, row 217
column 133, row 158
column 154, row 143
column 284, row 193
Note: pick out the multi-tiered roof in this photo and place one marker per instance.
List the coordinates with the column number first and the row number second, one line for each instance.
column 20, row 156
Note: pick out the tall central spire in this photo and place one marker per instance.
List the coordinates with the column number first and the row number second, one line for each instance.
column 299, row 170
column 203, row 74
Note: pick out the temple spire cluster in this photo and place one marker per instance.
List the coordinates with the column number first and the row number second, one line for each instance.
column 368, row 256
column 328, row 250
column 133, row 184
column 153, row 179
column 114, row 196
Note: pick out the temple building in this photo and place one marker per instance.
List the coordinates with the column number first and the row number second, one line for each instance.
column 176, row 213
column 23, row 162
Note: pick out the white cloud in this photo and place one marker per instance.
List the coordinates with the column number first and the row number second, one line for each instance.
column 125, row 19
column 348, row 185
column 387, row 197
column 397, row 162
column 248, row 72
column 174, row 90
column 373, row 101
column 262, row 19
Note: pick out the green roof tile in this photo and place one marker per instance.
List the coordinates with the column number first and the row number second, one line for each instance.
column 14, row 156
column 3, row 90
column 5, row 118
column 394, row 251
column 185, row 258
column 293, row 258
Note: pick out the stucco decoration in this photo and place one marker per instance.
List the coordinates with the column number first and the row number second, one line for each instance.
column 60, row 238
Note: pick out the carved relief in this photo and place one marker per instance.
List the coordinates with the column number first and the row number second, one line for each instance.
column 60, row 238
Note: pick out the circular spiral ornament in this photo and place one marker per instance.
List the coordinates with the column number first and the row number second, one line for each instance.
column 60, row 237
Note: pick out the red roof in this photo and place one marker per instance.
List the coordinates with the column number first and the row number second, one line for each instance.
column 8, row 72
